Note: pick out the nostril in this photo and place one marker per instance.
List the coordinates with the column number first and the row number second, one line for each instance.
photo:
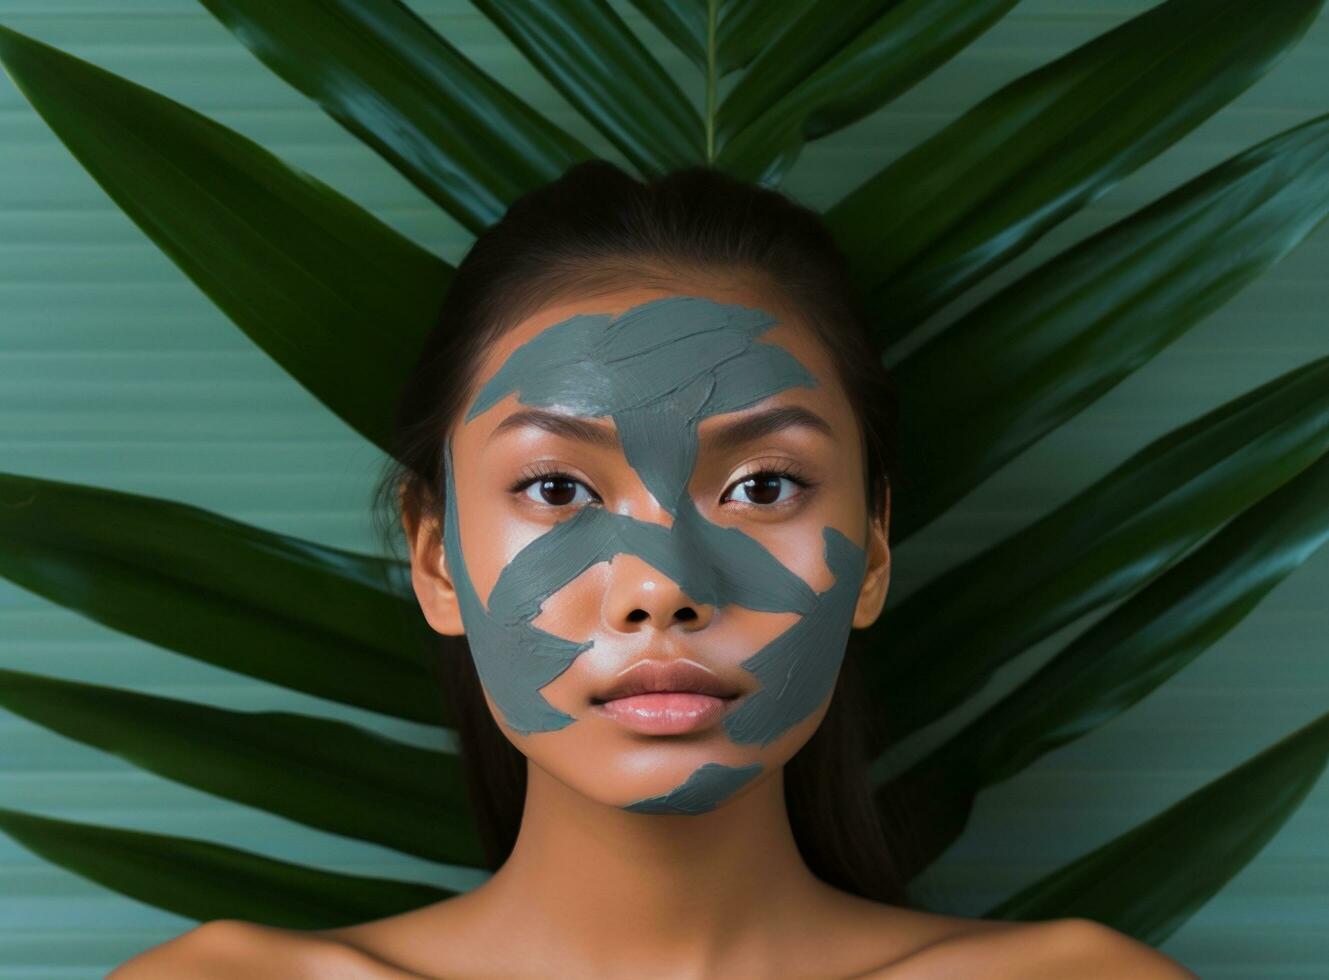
column 686, row 614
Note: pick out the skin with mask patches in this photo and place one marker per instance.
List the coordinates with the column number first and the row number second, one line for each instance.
column 652, row 529
column 657, row 371
column 632, row 858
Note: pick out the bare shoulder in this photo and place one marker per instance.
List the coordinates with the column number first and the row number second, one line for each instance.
column 1048, row 950
column 1085, row 948
column 441, row 939
column 226, row 948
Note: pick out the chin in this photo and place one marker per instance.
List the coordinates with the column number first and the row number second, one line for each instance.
column 601, row 759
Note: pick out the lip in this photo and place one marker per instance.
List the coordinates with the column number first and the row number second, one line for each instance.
column 665, row 712
column 665, row 697
column 666, row 676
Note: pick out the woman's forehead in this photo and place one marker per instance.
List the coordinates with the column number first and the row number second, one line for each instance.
column 786, row 330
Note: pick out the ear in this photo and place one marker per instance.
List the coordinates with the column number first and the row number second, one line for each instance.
column 877, row 578
column 429, row 575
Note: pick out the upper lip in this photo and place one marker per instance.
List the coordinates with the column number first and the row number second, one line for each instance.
column 647, row 676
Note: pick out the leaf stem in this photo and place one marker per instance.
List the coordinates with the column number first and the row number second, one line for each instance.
column 712, row 10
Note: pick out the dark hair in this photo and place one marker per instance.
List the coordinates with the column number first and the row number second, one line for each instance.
column 591, row 231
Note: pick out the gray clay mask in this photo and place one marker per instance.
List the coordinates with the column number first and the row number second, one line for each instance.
column 657, row 370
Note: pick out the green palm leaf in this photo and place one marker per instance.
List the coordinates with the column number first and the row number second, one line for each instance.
column 304, row 272
column 684, row 22
column 722, row 35
column 1148, row 882
column 971, row 198
column 299, row 268
column 810, row 82
column 795, row 52
column 592, row 58
column 323, row 773
column 383, row 73
column 1097, row 547
column 745, row 29
column 1048, row 345
column 1124, row 656
column 300, row 614
column 204, row 881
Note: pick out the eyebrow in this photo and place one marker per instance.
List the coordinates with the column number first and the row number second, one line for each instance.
column 725, row 437
column 568, row 426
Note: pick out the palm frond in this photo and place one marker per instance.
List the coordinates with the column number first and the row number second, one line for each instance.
column 966, row 201
column 204, row 881
column 822, row 74
column 1149, row 881
column 588, row 53
column 323, row 773
column 1033, row 356
column 295, row 265
column 1099, row 546
column 1123, row 656
column 378, row 69
column 303, row 615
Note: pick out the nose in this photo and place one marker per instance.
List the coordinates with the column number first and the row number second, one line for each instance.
column 642, row 597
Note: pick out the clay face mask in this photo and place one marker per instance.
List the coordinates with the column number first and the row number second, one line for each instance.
column 657, row 370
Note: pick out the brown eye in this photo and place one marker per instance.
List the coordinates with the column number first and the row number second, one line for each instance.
column 764, row 489
column 555, row 490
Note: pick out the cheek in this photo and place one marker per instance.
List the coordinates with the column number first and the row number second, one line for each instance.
column 798, row 541
column 574, row 609
column 491, row 539
column 805, row 557
column 799, row 546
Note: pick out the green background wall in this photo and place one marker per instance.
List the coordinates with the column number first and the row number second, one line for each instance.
column 116, row 371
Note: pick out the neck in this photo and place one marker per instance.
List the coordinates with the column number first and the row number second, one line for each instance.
column 611, row 888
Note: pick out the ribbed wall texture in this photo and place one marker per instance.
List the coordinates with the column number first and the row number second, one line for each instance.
column 116, row 371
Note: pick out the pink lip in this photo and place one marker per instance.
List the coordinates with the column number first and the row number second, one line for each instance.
column 665, row 712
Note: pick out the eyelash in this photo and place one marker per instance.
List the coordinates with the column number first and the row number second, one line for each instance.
column 541, row 470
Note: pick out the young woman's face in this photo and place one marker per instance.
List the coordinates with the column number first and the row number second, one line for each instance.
column 657, row 479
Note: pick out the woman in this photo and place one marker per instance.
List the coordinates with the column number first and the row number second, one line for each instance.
column 644, row 467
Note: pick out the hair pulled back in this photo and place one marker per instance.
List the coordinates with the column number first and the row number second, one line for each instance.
column 594, row 230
